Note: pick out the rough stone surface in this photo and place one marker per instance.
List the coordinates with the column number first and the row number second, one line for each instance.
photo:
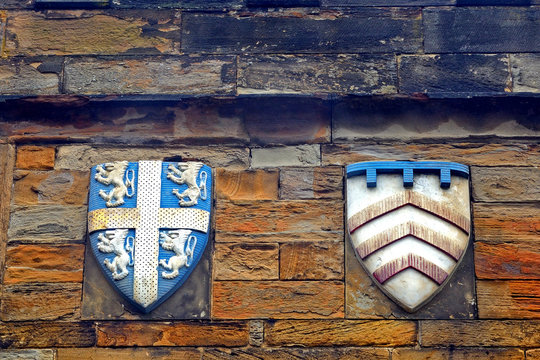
column 481, row 29
column 278, row 221
column 489, row 333
column 247, row 185
column 44, row 264
column 83, row 157
column 311, row 183
column 20, row 77
column 246, row 262
column 35, row 157
column 135, row 333
column 525, row 72
column 297, row 353
column 187, row 75
column 46, row 334
column 510, row 299
column 340, row 333
column 518, row 260
column 182, row 4
column 302, row 155
column 533, row 354
column 277, row 299
column 56, row 187
column 41, row 302
column 311, row 261
column 7, row 162
column 47, row 223
column 92, row 32
column 480, row 154
column 256, row 332
column 28, row 354
column 137, row 353
column 505, row 184
column 340, row 74
column 458, row 354
column 454, row 74
column 372, row 30
column 498, row 223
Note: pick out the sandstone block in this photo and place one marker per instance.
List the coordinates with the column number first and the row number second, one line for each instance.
column 363, row 3
column 496, row 223
column 83, row 157
column 56, row 187
column 22, row 77
column 7, row 162
column 44, row 264
column 458, row 354
column 41, row 302
column 186, row 75
column 311, row 261
column 247, row 185
column 246, row 262
column 28, row 354
column 342, row 74
column 518, row 260
column 489, row 333
column 330, row 353
column 311, row 183
column 92, row 32
column 278, row 221
column 121, row 334
column 302, row 155
column 510, row 299
column 35, row 157
column 48, row 223
column 525, row 72
column 46, row 334
column 180, row 4
column 533, row 354
column 135, row 353
column 505, row 184
column 341, row 333
column 277, row 299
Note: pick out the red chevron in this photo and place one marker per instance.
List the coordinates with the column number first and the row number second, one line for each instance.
column 400, row 231
column 408, row 197
column 414, row 261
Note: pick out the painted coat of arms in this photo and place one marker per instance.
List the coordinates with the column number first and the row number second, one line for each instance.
column 409, row 223
column 148, row 224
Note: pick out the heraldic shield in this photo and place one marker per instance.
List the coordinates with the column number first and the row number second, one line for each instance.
column 409, row 223
column 148, row 224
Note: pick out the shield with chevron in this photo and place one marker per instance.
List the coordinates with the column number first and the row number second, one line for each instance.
column 409, row 223
column 148, row 225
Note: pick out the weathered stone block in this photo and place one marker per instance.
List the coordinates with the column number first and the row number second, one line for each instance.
column 329, row 353
column 83, row 157
column 372, row 30
column 28, row 354
column 56, row 187
column 135, row 333
column 525, row 72
column 311, row 183
column 22, row 77
column 179, row 4
column 301, row 121
column 301, row 155
column 41, row 302
column 44, row 264
column 533, row 354
column 277, row 299
column 509, row 299
column 186, row 75
column 247, row 185
column 47, row 223
column 518, row 260
column 454, row 74
column 496, row 223
column 489, row 333
column 7, row 162
column 481, row 29
column 341, row 74
column 505, row 184
column 35, row 157
column 246, row 262
column 135, row 353
column 340, row 333
column 311, row 261
column 92, row 32
column 458, row 354
column 278, row 221
column 46, row 334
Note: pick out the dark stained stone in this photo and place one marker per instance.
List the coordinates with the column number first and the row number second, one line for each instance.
column 330, row 3
column 179, row 4
column 282, row 3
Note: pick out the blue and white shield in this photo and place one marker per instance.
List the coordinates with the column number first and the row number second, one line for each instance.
column 148, row 224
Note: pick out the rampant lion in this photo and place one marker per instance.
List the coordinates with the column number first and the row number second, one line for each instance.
column 186, row 173
column 113, row 241
column 175, row 240
column 113, row 173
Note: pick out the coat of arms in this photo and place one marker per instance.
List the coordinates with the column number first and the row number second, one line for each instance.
column 409, row 223
column 148, row 223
